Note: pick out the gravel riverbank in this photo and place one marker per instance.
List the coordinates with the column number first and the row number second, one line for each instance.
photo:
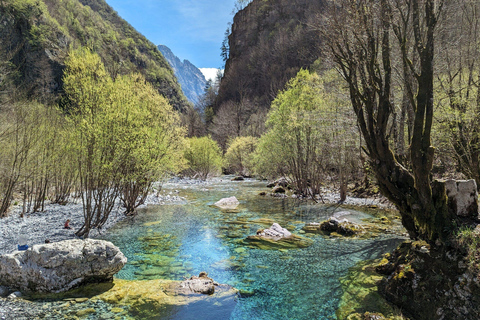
column 39, row 226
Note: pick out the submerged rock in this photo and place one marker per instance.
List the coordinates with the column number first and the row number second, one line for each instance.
column 60, row 266
column 361, row 299
column 157, row 299
column 277, row 237
column 227, row 203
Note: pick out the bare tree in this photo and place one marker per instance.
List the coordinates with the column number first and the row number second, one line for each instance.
column 360, row 39
column 458, row 81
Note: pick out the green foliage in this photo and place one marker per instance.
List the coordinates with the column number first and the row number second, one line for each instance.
column 22, row 129
column 239, row 155
column 310, row 132
column 203, row 156
column 468, row 240
column 126, row 136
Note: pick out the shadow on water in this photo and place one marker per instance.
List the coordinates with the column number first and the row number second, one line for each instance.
column 86, row 291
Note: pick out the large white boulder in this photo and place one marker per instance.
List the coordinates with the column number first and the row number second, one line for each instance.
column 463, row 197
column 227, row 203
column 275, row 232
column 60, row 266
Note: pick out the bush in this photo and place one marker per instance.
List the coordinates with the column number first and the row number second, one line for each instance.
column 238, row 158
column 468, row 241
column 310, row 134
column 204, row 157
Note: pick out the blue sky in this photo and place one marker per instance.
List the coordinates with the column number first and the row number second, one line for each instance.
column 192, row 29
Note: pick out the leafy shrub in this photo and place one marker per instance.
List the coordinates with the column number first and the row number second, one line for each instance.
column 468, row 241
column 238, row 158
column 204, row 157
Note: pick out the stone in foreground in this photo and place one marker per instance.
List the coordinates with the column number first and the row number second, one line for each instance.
column 160, row 298
column 227, row 203
column 60, row 266
column 277, row 237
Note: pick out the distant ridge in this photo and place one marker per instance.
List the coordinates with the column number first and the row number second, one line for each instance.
column 191, row 79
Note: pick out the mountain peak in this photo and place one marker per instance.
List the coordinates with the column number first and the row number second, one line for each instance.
column 191, row 79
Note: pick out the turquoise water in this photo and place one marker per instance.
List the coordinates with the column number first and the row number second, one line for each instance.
column 176, row 241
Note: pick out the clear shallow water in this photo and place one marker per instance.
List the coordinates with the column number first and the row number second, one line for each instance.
column 176, row 241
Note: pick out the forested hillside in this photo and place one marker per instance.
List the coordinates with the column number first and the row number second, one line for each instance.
column 37, row 35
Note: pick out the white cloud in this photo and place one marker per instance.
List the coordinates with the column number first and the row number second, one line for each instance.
column 210, row 73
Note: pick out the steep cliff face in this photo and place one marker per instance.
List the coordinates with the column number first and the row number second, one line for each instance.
column 37, row 34
column 189, row 76
column 269, row 43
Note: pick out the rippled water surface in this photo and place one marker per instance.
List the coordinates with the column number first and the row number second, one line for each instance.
column 176, row 241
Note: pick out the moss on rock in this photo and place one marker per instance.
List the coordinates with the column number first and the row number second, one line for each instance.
column 361, row 298
column 292, row 242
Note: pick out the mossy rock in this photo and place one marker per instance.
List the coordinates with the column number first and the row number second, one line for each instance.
column 154, row 298
column 431, row 282
column 263, row 221
column 332, row 225
column 292, row 242
column 85, row 312
column 361, row 298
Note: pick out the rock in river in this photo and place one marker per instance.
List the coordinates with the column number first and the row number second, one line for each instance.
column 227, row 203
column 342, row 227
column 277, row 237
column 60, row 266
column 201, row 284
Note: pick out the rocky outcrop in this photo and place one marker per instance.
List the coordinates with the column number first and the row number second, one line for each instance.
column 269, row 42
column 438, row 282
column 60, row 266
column 462, row 198
column 191, row 79
column 277, row 237
column 227, row 203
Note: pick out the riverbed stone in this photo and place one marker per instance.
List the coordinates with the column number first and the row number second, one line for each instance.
column 60, row 266
column 227, row 203
column 462, row 197
column 278, row 189
column 4, row 291
column 282, row 182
